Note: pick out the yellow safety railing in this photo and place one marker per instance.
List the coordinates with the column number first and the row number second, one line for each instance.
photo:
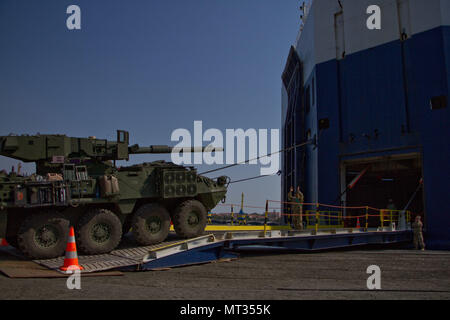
column 315, row 216
column 324, row 219
column 389, row 216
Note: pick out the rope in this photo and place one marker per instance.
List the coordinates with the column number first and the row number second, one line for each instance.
column 257, row 158
column 334, row 206
column 253, row 178
column 307, row 215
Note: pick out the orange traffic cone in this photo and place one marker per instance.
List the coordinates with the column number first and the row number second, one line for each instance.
column 3, row 242
column 357, row 223
column 71, row 259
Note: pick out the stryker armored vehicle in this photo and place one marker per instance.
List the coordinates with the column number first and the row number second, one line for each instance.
column 78, row 184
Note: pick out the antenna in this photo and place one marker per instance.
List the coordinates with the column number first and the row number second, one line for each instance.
column 304, row 8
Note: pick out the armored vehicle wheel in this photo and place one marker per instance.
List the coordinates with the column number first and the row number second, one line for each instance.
column 99, row 231
column 43, row 235
column 12, row 241
column 190, row 218
column 151, row 224
column 126, row 226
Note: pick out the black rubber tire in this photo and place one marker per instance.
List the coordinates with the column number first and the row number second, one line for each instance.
column 141, row 228
column 12, row 241
column 126, row 226
column 93, row 220
column 56, row 226
column 183, row 213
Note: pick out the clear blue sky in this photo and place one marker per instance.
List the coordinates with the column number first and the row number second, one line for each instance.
column 149, row 67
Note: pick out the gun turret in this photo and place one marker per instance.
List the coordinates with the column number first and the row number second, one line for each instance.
column 55, row 150
column 58, row 148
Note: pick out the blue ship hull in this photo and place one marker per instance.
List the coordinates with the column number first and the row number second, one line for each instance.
column 387, row 105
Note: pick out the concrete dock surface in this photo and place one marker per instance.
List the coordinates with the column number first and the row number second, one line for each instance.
column 405, row 274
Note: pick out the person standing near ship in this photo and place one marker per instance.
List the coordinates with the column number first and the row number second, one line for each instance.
column 418, row 235
column 296, row 207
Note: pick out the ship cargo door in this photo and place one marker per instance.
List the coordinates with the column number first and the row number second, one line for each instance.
column 390, row 177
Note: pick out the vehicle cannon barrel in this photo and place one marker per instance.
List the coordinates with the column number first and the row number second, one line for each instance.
column 136, row 149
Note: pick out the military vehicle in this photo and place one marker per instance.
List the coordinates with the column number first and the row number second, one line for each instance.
column 78, row 184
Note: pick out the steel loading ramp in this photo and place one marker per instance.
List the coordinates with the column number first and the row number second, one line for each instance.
column 213, row 247
column 127, row 258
